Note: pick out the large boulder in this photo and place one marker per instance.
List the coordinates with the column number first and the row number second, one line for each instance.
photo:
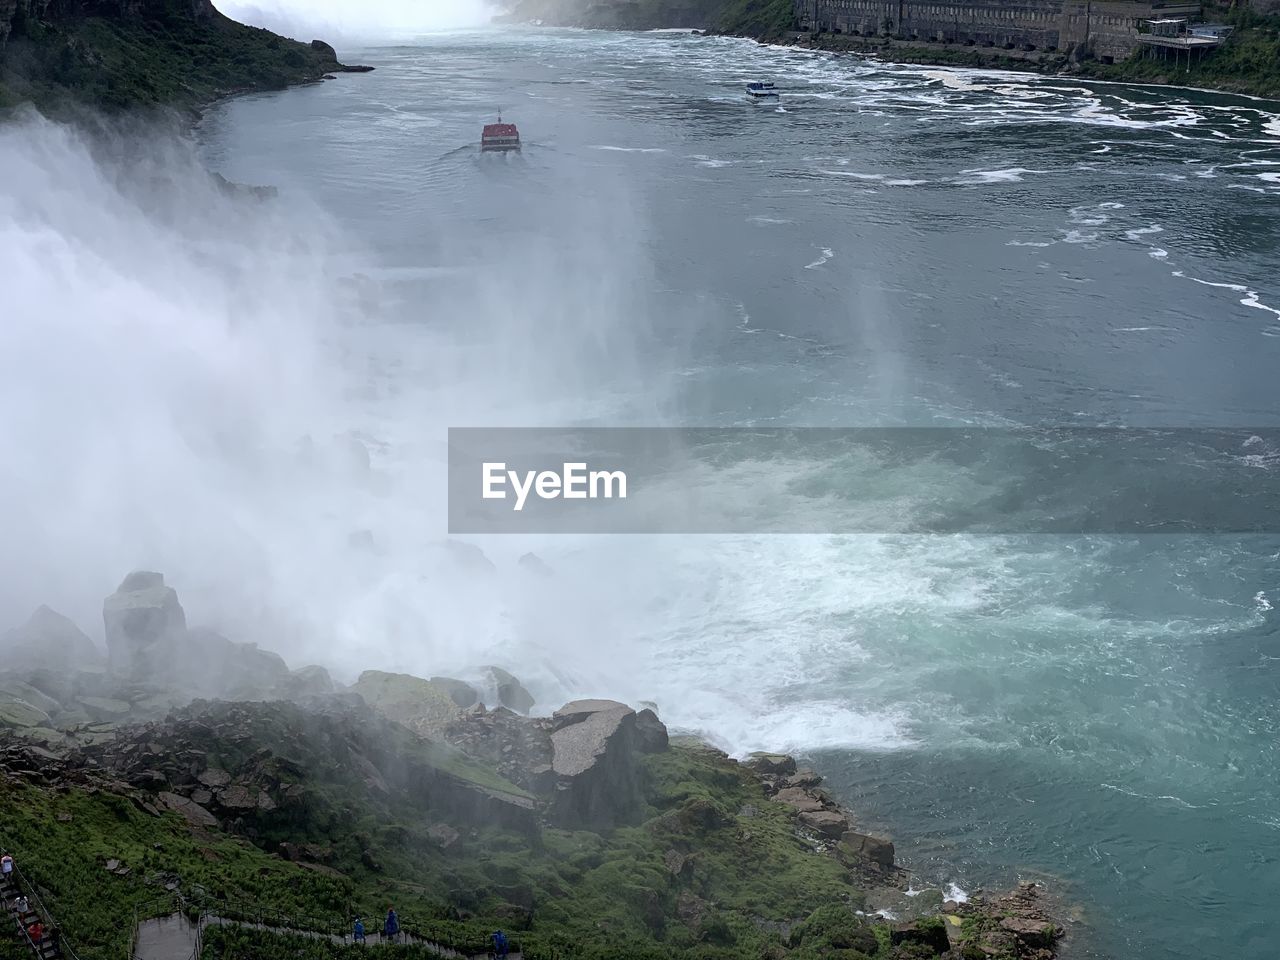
column 424, row 707
column 145, row 627
column 596, row 763
column 48, row 640
column 864, row 846
column 214, row 666
column 463, row 694
column 311, row 681
column 510, row 691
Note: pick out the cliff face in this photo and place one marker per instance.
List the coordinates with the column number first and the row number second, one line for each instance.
column 126, row 53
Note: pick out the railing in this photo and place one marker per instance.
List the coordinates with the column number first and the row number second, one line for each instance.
column 27, row 887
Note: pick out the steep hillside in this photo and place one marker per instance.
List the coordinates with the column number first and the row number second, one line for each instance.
column 128, row 53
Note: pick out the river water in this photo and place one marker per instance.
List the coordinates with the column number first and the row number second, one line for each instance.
column 892, row 246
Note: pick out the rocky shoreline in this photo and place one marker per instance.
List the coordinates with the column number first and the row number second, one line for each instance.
column 397, row 776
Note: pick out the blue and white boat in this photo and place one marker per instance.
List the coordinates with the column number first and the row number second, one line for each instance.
column 759, row 92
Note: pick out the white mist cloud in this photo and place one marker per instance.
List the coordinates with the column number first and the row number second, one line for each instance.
column 347, row 20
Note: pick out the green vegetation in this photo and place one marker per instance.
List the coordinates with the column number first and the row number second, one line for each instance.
column 714, row 870
column 762, row 19
column 1248, row 62
column 164, row 55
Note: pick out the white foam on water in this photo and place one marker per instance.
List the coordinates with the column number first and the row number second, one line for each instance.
column 768, row 220
column 705, row 161
column 1269, row 177
column 1141, row 329
column 1139, row 232
column 628, row 149
column 955, row 892
column 1158, row 253
column 1078, row 236
column 1272, row 128
column 827, row 254
column 1008, row 175
column 1250, row 298
column 1031, row 243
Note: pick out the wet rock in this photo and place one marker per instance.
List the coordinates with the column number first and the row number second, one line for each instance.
column 188, row 809
column 829, row 823
column 930, row 933
column 594, row 757
column 236, row 797
column 422, row 706
column 805, row 779
column 774, row 764
column 463, row 694
column 799, row 799
column 309, row 681
column 510, row 691
column 145, row 625
column 1032, row 933
column 15, row 712
column 215, row 777
column 867, row 847
column 325, row 50
column 651, row 733
column 48, row 640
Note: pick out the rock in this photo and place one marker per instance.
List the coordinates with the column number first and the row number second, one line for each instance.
column 1032, row 933
column 930, row 932
column 214, row 778
column 651, row 733
column 310, row 681
column 677, row 863
column 145, row 625
column 463, row 694
column 236, row 797
column 775, row 764
column 48, row 640
column 799, row 799
column 188, row 809
column 326, row 51
column 867, row 847
column 594, row 758
column 105, row 708
column 443, row 835
column 827, row 822
column 511, row 693
column 805, row 779
column 217, row 667
column 469, row 556
column 422, row 706
column 535, row 565
column 15, row 712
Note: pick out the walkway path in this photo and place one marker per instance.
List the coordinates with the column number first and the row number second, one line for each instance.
column 176, row 938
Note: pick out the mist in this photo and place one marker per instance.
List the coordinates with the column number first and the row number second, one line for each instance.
column 346, row 21
column 235, row 392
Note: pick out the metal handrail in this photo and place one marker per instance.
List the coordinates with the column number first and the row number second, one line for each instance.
column 28, row 888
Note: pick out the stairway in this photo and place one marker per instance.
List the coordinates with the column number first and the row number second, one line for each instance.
column 10, row 892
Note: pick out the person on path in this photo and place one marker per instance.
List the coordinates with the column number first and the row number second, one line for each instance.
column 36, row 933
column 6, row 866
column 391, row 926
column 357, row 932
column 500, row 946
column 22, row 906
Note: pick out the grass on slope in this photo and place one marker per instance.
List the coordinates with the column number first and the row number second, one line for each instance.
column 562, row 894
column 761, row 19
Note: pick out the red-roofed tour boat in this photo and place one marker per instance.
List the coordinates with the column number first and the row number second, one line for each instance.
column 499, row 137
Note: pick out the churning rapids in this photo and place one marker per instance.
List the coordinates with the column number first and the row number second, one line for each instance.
column 891, row 246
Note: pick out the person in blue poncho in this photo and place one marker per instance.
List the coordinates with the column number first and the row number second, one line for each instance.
column 391, row 926
column 357, row 931
column 500, row 946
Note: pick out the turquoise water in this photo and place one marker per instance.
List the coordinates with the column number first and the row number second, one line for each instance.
column 238, row 388
column 895, row 246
